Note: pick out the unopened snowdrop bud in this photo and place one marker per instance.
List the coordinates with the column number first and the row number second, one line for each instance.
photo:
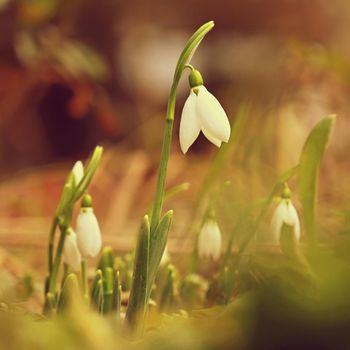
column 209, row 240
column 88, row 229
column 165, row 257
column 71, row 253
column 285, row 215
column 202, row 112
column 78, row 171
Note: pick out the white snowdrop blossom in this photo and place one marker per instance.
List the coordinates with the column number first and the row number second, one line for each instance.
column 285, row 213
column 202, row 112
column 88, row 233
column 209, row 240
column 71, row 253
column 78, row 171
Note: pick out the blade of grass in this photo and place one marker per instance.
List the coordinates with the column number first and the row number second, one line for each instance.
column 137, row 304
column 310, row 161
column 157, row 245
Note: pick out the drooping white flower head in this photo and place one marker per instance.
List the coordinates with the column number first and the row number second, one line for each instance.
column 209, row 240
column 78, row 171
column 202, row 112
column 71, row 253
column 88, row 230
column 285, row 214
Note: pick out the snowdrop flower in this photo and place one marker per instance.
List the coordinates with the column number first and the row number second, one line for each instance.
column 285, row 214
column 209, row 240
column 71, row 253
column 202, row 112
column 78, row 172
column 88, row 230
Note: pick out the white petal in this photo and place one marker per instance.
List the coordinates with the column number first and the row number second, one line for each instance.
column 277, row 222
column 209, row 241
column 212, row 116
column 211, row 138
column 78, row 171
column 216, row 242
column 88, row 233
column 189, row 124
column 203, row 237
column 71, row 253
column 292, row 219
column 285, row 213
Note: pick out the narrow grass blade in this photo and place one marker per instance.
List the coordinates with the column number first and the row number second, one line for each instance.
column 108, row 282
column 158, row 241
column 117, row 294
column 167, row 296
column 309, row 166
column 107, row 259
column 70, row 293
column 137, row 304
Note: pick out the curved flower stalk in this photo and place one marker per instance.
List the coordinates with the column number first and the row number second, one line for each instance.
column 71, row 254
column 202, row 112
column 88, row 230
column 285, row 215
column 183, row 60
column 209, row 240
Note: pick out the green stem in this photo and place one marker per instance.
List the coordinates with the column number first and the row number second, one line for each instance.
column 84, row 278
column 182, row 63
column 65, row 273
column 57, row 262
column 51, row 243
column 163, row 167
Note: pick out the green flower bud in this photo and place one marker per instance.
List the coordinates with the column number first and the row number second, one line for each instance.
column 286, row 194
column 86, row 202
column 195, row 78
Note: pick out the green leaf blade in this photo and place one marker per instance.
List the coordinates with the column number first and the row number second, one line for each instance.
column 309, row 166
column 158, row 242
column 137, row 304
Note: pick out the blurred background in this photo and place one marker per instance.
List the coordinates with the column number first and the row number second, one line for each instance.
column 77, row 73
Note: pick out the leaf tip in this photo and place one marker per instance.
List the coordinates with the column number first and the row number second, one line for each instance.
column 333, row 118
column 146, row 222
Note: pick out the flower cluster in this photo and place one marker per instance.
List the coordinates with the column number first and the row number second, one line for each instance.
column 85, row 242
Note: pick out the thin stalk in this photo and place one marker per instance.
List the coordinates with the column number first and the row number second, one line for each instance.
column 51, row 243
column 65, row 273
column 84, row 277
column 49, row 305
column 163, row 167
column 57, row 262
